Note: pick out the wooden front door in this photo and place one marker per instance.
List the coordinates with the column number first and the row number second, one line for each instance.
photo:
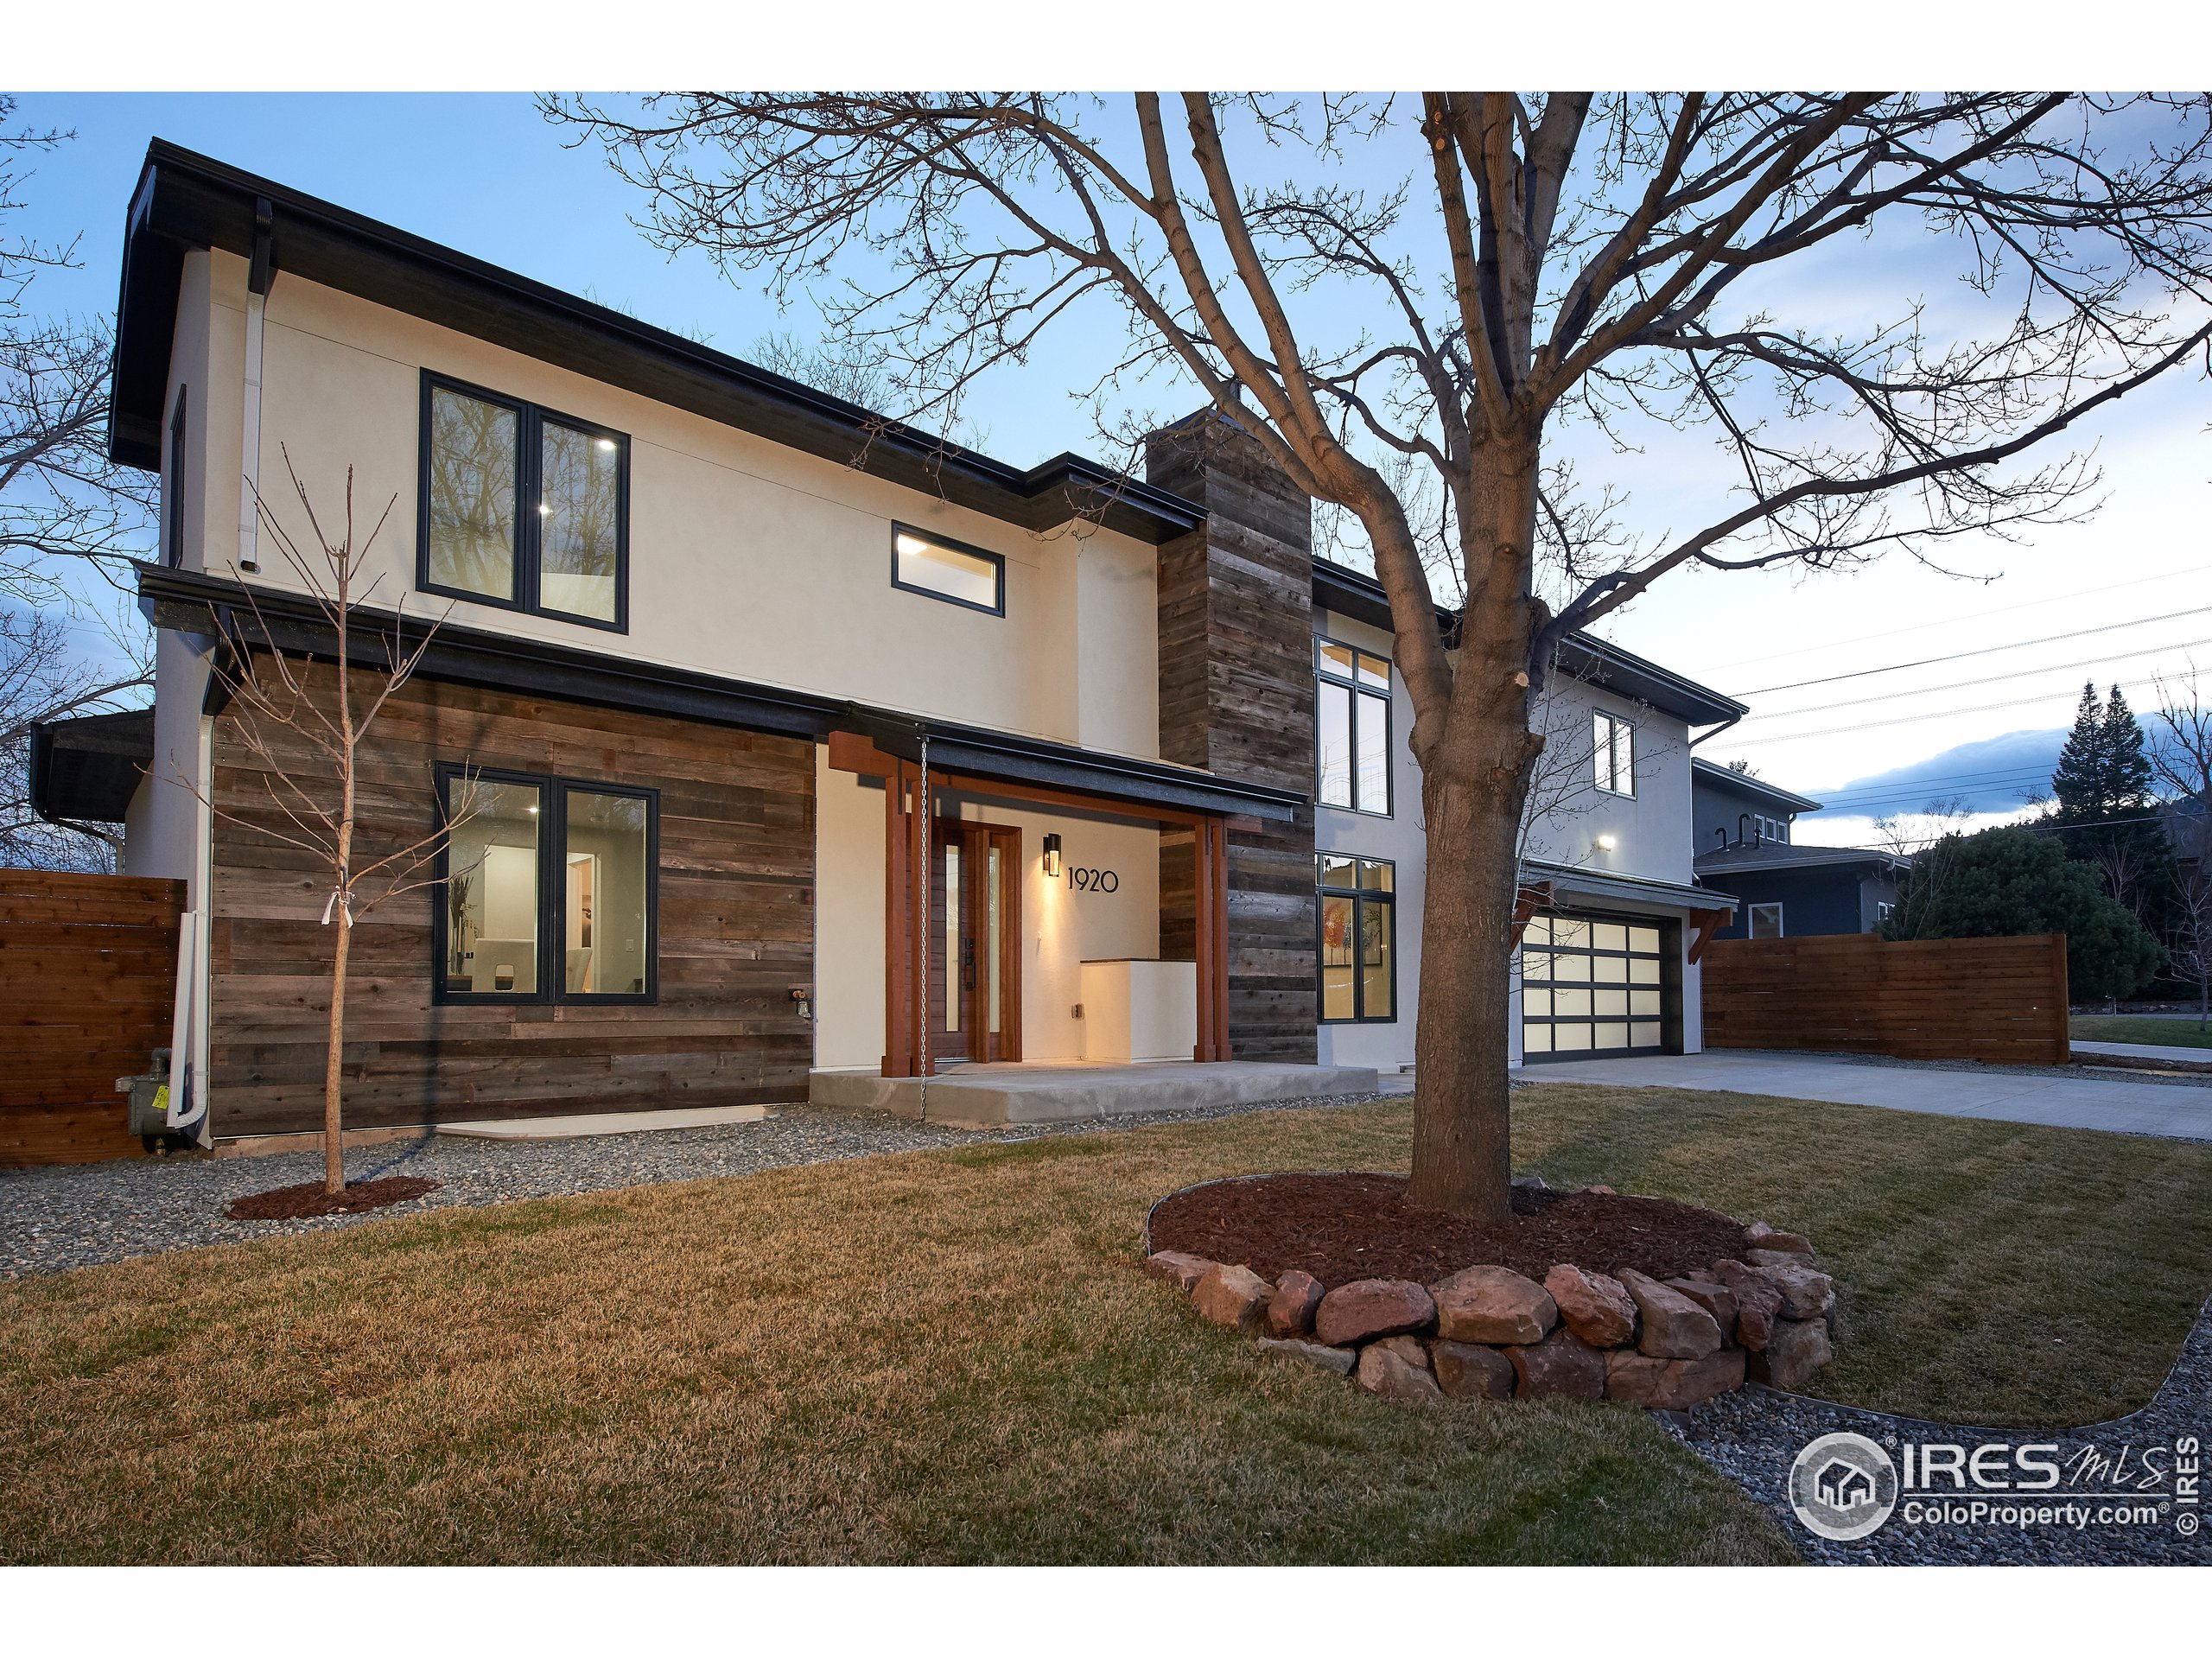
column 974, row 942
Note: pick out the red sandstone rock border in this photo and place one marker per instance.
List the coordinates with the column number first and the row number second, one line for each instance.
column 1490, row 1333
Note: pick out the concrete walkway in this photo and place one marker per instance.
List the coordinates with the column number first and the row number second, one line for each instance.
column 2145, row 1052
column 2061, row 1100
column 994, row 1094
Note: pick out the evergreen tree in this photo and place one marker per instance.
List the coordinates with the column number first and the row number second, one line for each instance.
column 2078, row 780
column 2106, row 810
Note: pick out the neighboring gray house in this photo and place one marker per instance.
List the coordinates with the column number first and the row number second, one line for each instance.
column 1744, row 849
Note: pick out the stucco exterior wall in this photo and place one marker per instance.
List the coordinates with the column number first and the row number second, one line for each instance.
column 1403, row 838
column 1061, row 927
column 746, row 559
column 1650, row 828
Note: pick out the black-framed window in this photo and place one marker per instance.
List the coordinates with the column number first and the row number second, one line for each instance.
column 1351, row 721
column 1359, row 939
column 173, row 486
column 550, row 890
column 522, row 507
column 953, row 571
column 1612, row 740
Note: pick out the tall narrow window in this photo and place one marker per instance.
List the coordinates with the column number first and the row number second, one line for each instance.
column 522, row 507
column 1612, row 740
column 474, row 486
column 549, row 892
column 1351, row 699
column 1358, row 972
column 492, row 888
column 173, row 486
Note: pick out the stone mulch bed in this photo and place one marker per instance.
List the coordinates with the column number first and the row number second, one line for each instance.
column 78, row 1214
column 1436, row 1305
column 1754, row 1437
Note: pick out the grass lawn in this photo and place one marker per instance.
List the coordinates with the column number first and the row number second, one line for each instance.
column 952, row 1355
column 2137, row 1028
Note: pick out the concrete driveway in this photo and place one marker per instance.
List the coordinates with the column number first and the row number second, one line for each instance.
column 2063, row 1099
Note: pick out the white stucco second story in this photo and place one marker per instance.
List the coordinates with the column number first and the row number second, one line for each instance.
column 562, row 473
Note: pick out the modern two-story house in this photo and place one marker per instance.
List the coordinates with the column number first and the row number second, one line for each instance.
column 785, row 746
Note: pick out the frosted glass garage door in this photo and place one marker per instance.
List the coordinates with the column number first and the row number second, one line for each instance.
column 1591, row 987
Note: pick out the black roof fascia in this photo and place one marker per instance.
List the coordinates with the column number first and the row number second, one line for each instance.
column 1360, row 597
column 204, row 605
column 186, row 201
column 1743, row 784
column 85, row 769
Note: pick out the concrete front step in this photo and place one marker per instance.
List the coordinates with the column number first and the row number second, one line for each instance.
column 591, row 1123
column 988, row 1096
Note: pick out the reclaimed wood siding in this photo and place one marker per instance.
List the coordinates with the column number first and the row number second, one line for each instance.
column 87, row 992
column 2002, row 1000
column 1236, row 697
column 735, row 937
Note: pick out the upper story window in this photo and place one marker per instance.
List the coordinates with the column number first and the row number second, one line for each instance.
column 1613, row 741
column 952, row 571
column 523, row 507
column 1352, row 713
column 1766, row 921
column 173, row 488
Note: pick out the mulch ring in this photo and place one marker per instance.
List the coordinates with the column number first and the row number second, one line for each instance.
column 1342, row 1227
column 309, row 1198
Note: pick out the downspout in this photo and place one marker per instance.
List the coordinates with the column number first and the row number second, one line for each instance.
column 259, row 275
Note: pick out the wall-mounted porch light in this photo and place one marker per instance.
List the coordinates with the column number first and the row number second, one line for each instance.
column 1051, row 855
column 1607, row 844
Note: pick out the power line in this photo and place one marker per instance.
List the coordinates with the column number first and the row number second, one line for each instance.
column 1986, row 651
column 1908, row 720
column 1987, row 679
column 1975, row 616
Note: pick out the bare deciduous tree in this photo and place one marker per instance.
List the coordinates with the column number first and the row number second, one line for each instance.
column 42, row 678
column 303, row 723
column 1423, row 296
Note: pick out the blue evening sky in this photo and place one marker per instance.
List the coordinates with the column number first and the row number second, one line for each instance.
column 483, row 173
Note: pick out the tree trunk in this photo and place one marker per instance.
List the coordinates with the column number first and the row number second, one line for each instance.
column 1475, row 779
column 334, row 1148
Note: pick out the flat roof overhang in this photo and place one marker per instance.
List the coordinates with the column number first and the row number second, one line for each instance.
column 85, row 769
column 186, row 200
column 1592, row 661
column 217, row 608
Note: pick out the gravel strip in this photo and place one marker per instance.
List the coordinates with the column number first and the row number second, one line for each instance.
column 2111, row 1066
column 77, row 1214
column 1753, row 1438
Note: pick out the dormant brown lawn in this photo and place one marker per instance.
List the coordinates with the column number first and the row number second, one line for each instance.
column 953, row 1357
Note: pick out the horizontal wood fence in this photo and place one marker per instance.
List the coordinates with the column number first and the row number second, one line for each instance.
column 88, row 983
column 2002, row 1000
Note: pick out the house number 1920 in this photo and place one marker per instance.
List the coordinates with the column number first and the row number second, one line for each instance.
column 1094, row 880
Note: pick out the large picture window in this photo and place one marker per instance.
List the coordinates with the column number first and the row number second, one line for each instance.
column 1360, row 939
column 1352, row 707
column 522, row 507
column 550, row 890
column 1613, row 741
